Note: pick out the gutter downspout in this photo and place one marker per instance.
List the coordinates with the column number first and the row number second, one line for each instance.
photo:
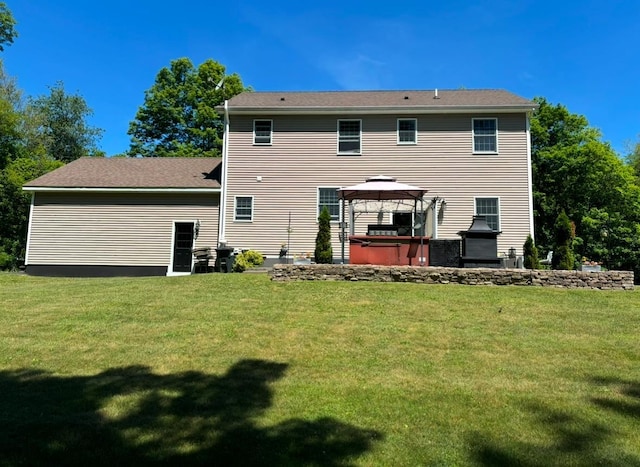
column 222, row 222
column 530, row 177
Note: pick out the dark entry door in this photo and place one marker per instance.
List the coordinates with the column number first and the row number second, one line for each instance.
column 182, row 244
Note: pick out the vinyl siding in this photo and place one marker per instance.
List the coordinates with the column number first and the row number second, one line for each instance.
column 303, row 156
column 115, row 229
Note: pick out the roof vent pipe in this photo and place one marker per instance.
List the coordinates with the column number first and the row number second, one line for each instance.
column 435, row 95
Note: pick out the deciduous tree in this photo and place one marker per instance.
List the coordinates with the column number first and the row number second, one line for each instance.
column 7, row 26
column 633, row 159
column 62, row 128
column 178, row 116
column 10, row 118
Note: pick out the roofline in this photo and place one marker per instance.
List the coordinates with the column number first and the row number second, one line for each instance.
column 120, row 190
column 399, row 110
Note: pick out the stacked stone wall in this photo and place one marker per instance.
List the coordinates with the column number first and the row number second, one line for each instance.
column 605, row 280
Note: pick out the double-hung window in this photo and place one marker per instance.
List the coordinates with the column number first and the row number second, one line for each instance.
column 485, row 135
column 243, row 209
column 407, row 131
column 328, row 196
column 349, row 136
column 262, row 132
column 490, row 209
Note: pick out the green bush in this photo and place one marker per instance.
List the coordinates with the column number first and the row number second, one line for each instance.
column 247, row 259
column 253, row 257
column 6, row 260
column 240, row 263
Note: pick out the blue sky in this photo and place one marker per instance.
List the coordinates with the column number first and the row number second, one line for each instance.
column 583, row 54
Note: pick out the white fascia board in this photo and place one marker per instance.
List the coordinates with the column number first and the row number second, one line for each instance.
column 121, row 190
column 376, row 110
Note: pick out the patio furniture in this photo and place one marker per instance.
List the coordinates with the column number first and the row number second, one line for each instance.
column 547, row 260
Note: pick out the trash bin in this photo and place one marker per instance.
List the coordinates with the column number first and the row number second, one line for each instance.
column 224, row 259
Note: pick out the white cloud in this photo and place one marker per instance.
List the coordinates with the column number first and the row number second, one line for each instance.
column 360, row 73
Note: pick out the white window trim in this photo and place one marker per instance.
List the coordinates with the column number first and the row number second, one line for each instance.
column 318, row 203
column 475, row 208
column 235, row 208
column 415, row 132
column 270, row 133
column 473, row 136
column 359, row 153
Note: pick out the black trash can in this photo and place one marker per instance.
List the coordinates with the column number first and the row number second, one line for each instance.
column 224, row 259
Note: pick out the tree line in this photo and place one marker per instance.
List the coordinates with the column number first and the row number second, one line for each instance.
column 579, row 180
column 586, row 197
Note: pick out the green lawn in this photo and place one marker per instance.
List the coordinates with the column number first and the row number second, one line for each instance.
column 231, row 369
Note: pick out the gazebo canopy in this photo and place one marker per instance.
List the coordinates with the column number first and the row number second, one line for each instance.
column 381, row 188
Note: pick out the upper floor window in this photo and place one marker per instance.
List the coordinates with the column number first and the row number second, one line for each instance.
column 485, row 135
column 243, row 209
column 328, row 196
column 490, row 209
column 407, row 131
column 262, row 130
column 349, row 136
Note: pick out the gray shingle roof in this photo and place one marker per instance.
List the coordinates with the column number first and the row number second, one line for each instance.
column 119, row 172
column 326, row 100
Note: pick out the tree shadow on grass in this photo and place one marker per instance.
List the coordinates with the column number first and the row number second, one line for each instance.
column 623, row 396
column 187, row 419
column 575, row 440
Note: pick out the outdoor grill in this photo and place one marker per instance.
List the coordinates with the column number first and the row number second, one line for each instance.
column 479, row 245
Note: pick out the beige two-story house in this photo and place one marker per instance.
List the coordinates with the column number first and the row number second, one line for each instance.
column 286, row 154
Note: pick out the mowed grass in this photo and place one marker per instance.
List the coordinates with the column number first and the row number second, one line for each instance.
column 232, row 369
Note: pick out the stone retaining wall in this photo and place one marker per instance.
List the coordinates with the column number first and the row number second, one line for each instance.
column 607, row 280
